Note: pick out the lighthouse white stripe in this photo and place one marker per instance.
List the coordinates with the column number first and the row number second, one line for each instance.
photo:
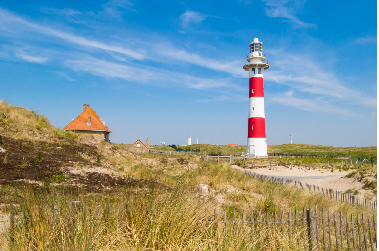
column 256, row 107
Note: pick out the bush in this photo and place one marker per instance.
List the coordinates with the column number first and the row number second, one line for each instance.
column 1, row 140
column 20, row 146
column 39, row 157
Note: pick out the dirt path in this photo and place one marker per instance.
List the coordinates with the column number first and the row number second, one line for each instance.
column 319, row 177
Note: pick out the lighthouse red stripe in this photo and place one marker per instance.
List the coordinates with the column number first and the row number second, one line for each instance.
column 256, row 87
column 259, row 130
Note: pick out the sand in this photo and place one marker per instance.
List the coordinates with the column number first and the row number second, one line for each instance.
column 319, row 177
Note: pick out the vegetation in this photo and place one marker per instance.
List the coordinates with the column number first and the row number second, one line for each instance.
column 140, row 201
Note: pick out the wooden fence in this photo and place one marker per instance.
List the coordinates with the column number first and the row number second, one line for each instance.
column 335, row 195
column 310, row 228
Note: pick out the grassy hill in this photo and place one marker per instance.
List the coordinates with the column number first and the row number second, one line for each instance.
column 56, row 181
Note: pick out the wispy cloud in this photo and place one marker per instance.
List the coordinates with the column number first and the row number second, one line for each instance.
column 303, row 74
column 366, row 40
column 64, row 75
column 6, row 18
column 282, row 9
column 31, row 59
column 317, row 105
column 147, row 75
column 189, row 17
column 217, row 99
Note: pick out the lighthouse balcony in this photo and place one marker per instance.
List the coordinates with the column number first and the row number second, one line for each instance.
column 250, row 65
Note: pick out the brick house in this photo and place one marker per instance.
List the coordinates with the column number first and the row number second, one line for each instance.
column 139, row 147
column 88, row 122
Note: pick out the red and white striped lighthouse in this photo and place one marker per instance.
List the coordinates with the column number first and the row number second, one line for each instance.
column 256, row 134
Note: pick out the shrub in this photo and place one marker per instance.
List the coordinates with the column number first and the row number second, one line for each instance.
column 98, row 159
column 58, row 178
column 20, row 146
column 39, row 157
column 1, row 140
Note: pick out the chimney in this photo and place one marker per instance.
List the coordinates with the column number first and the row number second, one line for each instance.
column 147, row 142
column 85, row 106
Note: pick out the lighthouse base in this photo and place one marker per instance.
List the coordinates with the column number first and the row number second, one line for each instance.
column 256, row 147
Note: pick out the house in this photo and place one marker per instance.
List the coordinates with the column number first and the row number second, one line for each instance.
column 88, row 122
column 139, row 147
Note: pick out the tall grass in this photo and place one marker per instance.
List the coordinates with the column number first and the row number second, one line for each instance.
column 129, row 221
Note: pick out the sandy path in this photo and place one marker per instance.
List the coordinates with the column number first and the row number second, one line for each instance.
column 319, row 177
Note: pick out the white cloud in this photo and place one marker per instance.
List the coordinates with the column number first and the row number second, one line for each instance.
column 6, row 18
column 305, row 75
column 149, row 75
column 281, row 8
column 232, row 67
column 189, row 17
column 366, row 40
column 317, row 105
column 31, row 59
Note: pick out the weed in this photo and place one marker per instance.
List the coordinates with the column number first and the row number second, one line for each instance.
column 58, row 178
column 356, row 192
column 98, row 159
column 39, row 157
column 349, row 191
column 20, row 146
column 38, row 127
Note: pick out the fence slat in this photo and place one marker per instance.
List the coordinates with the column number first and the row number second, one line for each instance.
column 260, row 226
column 330, row 231
column 323, row 229
column 305, row 228
column 336, row 228
column 341, row 230
column 297, row 226
column 243, row 223
column 316, row 228
column 353, row 231
column 252, row 227
column 347, row 231
column 359, row 234
column 290, row 224
column 364, row 231
column 370, row 233
column 283, row 222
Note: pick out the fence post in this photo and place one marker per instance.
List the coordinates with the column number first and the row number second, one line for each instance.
column 305, row 228
column 316, row 228
column 310, row 229
column 370, row 232
column 218, row 158
column 353, row 231
column 323, row 229
column 231, row 159
column 341, row 230
column 336, row 228
column 260, row 227
column 11, row 218
column 347, row 232
column 330, row 231
column 290, row 224
column 252, row 226
column 364, row 231
column 359, row 234
column 224, row 225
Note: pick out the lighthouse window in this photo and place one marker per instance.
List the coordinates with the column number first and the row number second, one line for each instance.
column 259, row 70
column 252, row 70
column 252, row 90
column 252, row 127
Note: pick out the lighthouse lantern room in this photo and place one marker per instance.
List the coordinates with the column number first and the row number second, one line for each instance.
column 256, row 135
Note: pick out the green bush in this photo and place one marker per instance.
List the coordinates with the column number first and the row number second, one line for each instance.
column 20, row 146
column 39, row 157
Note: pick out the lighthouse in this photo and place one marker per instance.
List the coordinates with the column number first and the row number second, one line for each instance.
column 256, row 133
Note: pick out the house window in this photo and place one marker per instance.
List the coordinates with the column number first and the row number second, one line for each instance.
column 259, row 70
column 252, row 127
column 89, row 120
column 138, row 145
column 252, row 70
column 253, row 108
column 252, row 90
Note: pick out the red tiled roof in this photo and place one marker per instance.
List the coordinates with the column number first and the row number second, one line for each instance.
column 138, row 141
column 80, row 122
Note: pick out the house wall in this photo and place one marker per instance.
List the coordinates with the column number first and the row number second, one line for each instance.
column 98, row 136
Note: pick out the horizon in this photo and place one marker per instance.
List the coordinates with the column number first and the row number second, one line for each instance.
column 170, row 71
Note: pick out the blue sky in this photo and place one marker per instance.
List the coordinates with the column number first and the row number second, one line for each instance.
column 171, row 70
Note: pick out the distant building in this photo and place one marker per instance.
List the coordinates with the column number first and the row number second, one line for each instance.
column 189, row 141
column 139, row 147
column 88, row 122
column 232, row 144
column 163, row 143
